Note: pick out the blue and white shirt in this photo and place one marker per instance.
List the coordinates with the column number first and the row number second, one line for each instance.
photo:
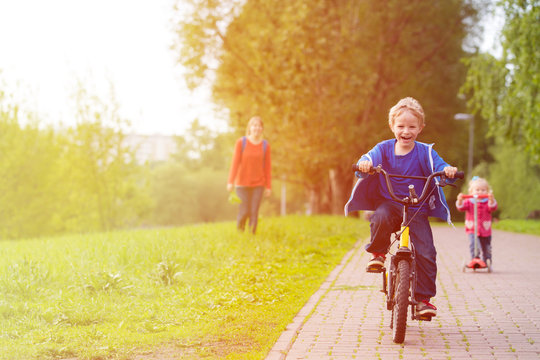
column 371, row 190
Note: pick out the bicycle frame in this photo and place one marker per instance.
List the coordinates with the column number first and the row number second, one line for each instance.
column 405, row 252
column 401, row 277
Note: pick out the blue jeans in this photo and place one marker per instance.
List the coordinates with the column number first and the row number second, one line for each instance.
column 249, row 207
column 485, row 245
column 386, row 220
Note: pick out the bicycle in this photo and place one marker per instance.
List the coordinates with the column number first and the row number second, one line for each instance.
column 399, row 284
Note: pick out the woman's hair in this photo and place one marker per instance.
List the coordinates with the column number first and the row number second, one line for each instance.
column 251, row 121
column 478, row 180
column 406, row 104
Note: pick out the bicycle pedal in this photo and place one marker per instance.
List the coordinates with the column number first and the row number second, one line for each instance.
column 424, row 317
column 374, row 269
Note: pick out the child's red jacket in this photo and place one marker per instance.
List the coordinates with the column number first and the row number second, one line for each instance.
column 484, row 216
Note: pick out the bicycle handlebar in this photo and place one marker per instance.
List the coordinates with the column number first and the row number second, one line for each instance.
column 413, row 198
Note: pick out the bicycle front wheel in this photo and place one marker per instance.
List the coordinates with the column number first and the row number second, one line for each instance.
column 401, row 301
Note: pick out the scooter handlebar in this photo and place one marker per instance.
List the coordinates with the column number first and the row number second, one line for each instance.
column 475, row 196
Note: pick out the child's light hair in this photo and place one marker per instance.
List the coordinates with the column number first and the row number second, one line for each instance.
column 478, row 180
column 251, row 121
column 406, row 104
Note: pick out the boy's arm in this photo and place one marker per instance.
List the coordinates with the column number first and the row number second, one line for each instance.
column 440, row 165
column 373, row 156
column 364, row 165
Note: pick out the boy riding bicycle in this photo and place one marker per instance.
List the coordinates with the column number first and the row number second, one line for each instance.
column 403, row 155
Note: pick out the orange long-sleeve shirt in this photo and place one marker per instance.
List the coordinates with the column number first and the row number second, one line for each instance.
column 251, row 167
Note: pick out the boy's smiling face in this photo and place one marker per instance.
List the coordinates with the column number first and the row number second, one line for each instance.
column 406, row 128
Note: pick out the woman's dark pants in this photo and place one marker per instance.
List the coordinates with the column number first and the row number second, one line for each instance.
column 249, row 208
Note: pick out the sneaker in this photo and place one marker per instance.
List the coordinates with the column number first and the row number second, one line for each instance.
column 376, row 263
column 424, row 308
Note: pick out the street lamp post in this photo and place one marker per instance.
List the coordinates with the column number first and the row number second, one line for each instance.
column 469, row 117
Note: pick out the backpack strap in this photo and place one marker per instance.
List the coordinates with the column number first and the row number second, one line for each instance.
column 265, row 145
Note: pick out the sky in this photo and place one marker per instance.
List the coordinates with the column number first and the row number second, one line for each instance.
column 47, row 47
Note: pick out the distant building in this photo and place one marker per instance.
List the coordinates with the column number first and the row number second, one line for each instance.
column 151, row 148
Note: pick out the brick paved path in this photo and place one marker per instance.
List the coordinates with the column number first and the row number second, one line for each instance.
column 480, row 315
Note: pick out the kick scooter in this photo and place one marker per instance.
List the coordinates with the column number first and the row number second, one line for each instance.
column 476, row 262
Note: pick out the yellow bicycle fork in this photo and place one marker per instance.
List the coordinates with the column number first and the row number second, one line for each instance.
column 404, row 237
column 403, row 242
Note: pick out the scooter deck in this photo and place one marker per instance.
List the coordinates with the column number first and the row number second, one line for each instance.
column 476, row 263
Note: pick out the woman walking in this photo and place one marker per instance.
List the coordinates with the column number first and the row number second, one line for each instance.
column 251, row 173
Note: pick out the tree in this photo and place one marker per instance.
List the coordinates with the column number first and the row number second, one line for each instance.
column 514, row 180
column 29, row 178
column 103, row 187
column 323, row 75
column 191, row 186
column 200, row 147
column 506, row 91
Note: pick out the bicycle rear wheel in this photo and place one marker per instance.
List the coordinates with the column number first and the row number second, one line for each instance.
column 401, row 301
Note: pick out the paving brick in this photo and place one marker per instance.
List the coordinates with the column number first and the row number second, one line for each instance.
column 480, row 315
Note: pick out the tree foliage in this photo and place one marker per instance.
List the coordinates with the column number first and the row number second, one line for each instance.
column 67, row 180
column 104, row 176
column 27, row 176
column 191, row 186
column 506, row 91
column 514, row 180
column 323, row 74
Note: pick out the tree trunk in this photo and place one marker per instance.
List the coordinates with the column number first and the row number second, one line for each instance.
column 313, row 205
column 338, row 191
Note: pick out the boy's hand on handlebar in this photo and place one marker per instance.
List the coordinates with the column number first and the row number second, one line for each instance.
column 365, row 166
column 450, row 171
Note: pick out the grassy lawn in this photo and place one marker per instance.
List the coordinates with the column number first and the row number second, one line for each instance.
column 201, row 291
column 519, row 226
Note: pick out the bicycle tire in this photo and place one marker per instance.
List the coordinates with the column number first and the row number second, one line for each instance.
column 401, row 303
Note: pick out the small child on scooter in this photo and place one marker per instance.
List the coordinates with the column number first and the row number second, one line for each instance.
column 481, row 194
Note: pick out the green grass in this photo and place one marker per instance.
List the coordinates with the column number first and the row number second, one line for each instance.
column 519, row 226
column 201, row 291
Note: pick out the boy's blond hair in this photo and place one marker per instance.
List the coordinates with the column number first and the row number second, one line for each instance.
column 476, row 180
column 251, row 121
column 406, row 104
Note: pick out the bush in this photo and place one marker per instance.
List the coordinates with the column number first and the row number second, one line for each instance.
column 514, row 179
column 188, row 196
